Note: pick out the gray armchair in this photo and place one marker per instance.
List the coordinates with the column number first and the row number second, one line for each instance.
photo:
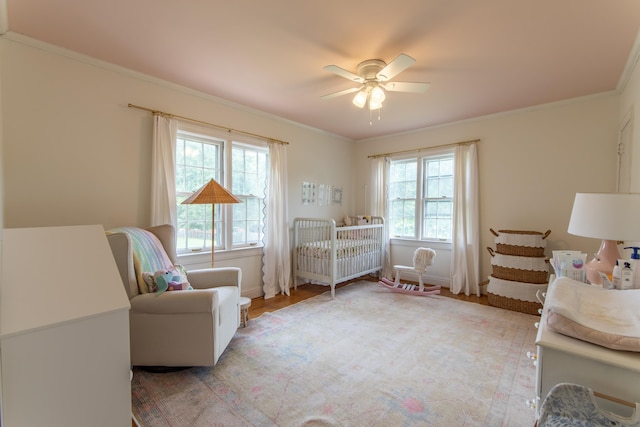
column 179, row 328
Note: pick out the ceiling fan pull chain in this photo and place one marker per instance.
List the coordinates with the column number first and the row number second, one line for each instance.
column 379, row 110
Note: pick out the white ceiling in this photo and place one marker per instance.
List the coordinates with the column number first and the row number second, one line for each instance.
column 481, row 57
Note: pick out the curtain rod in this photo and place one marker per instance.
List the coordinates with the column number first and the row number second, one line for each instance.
column 162, row 113
column 417, row 150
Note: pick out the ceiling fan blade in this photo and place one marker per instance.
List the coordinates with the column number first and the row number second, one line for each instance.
column 395, row 67
column 344, row 73
column 342, row 92
column 406, row 87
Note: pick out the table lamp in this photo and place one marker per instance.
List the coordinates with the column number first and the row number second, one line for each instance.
column 612, row 217
column 211, row 193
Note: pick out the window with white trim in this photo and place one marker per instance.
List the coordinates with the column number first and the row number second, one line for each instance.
column 249, row 179
column 239, row 166
column 421, row 197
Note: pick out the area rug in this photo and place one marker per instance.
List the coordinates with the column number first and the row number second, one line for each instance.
column 369, row 357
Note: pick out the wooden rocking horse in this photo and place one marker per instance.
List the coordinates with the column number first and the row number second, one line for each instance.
column 422, row 258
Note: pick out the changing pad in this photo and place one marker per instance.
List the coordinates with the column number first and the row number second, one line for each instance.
column 609, row 318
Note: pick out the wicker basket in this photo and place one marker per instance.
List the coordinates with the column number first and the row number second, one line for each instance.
column 527, row 276
column 518, row 268
column 519, row 250
column 520, row 243
column 516, row 296
column 514, row 304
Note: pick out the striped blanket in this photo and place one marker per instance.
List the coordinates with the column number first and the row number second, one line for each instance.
column 148, row 254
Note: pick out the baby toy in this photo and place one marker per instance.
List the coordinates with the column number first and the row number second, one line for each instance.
column 422, row 258
column 169, row 280
column 162, row 279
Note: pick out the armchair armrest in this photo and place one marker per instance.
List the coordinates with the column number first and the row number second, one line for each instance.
column 194, row 301
column 214, row 277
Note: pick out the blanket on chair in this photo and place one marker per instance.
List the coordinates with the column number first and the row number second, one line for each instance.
column 148, row 254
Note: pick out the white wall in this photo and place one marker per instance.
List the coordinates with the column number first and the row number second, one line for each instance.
column 629, row 109
column 531, row 164
column 74, row 153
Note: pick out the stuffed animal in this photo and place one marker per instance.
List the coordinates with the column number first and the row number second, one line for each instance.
column 178, row 285
column 174, row 279
column 364, row 219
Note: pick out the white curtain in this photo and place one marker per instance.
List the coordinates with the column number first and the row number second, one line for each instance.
column 276, row 257
column 465, row 258
column 163, row 171
column 379, row 205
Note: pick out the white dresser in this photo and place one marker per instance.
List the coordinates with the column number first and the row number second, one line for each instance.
column 64, row 330
column 564, row 359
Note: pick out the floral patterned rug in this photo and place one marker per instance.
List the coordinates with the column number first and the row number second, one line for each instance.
column 370, row 357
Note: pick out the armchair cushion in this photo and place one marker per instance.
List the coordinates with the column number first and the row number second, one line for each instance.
column 196, row 301
column 215, row 277
column 148, row 254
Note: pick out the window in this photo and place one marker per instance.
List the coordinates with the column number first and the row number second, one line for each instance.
column 402, row 196
column 249, row 177
column 202, row 157
column 437, row 199
column 198, row 159
column 421, row 197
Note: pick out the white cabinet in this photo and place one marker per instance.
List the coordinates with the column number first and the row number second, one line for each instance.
column 565, row 359
column 64, row 330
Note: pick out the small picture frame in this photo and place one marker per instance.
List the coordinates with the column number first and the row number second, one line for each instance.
column 324, row 194
column 308, row 193
column 336, row 195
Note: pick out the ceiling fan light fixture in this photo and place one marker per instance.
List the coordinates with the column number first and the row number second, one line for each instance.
column 374, row 105
column 374, row 76
column 377, row 95
column 360, row 99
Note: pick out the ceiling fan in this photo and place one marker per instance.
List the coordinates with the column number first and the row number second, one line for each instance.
column 373, row 76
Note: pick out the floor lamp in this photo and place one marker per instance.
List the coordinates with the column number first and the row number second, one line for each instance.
column 211, row 193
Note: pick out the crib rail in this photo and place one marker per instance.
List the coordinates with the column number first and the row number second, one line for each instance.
column 327, row 254
column 313, row 229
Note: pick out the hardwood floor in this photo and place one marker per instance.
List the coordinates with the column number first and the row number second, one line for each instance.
column 260, row 305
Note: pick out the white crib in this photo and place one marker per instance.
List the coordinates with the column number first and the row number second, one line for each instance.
column 326, row 254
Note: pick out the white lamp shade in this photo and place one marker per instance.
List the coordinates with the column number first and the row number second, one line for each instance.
column 376, row 98
column 360, row 99
column 373, row 105
column 377, row 95
column 607, row 216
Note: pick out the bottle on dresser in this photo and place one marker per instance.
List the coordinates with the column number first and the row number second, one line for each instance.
column 634, row 265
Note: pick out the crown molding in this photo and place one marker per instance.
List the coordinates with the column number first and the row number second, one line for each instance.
column 568, row 101
column 73, row 55
column 632, row 61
